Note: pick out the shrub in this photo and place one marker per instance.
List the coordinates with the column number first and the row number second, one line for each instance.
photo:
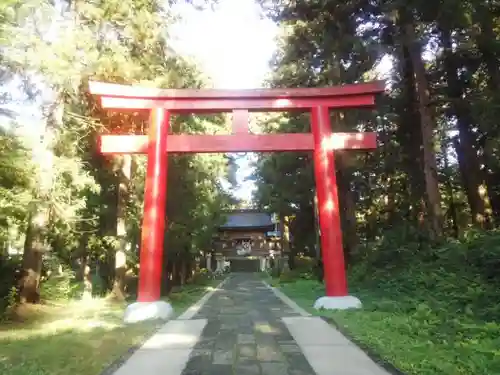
column 427, row 310
column 202, row 277
column 61, row 287
column 305, row 264
column 9, row 275
column 294, row 275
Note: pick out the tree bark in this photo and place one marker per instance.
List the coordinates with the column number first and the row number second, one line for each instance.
column 347, row 208
column 182, row 271
column 38, row 221
column 469, row 163
column 32, row 259
column 124, row 177
column 410, row 138
column 84, row 263
column 86, row 278
column 427, row 125
column 175, row 272
column 486, row 41
column 285, row 235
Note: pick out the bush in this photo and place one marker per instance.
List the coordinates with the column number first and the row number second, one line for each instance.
column 61, row 287
column 305, row 264
column 294, row 275
column 202, row 277
column 428, row 310
column 9, row 277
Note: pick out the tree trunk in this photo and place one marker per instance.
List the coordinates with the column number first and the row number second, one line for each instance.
column 84, row 273
column 347, row 210
column 468, row 159
column 291, row 257
column 124, row 177
column 38, row 222
column 118, row 290
column 486, row 42
column 452, row 205
column 86, row 278
column 32, row 259
column 182, row 271
column 427, row 126
column 410, row 138
column 175, row 273
column 285, row 235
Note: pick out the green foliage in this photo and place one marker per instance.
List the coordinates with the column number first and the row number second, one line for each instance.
column 190, row 293
column 436, row 313
column 16, row 174
column 304, row 269
column 77, row 337
column 293, row 275
column 60, row 174
column 9, row 268
column 344, row 42
column 202, row 277
column 61, row 287
column 430, row 305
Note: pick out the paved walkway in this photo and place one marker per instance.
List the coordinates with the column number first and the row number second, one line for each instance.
column 245, row 334
column 244, row 328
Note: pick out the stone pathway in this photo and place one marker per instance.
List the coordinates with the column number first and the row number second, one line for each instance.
column 246, row 328
column 245, row 333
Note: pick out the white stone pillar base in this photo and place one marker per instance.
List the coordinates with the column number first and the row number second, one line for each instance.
column 337, row 303
column 141, row 311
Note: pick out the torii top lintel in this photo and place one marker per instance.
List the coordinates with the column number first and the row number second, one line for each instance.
column 239, row 102
column 209, row 100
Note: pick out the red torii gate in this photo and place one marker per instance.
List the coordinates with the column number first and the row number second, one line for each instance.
column 158, row 143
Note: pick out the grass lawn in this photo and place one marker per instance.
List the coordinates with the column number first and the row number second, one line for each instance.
column 77, row 337
column 419, row 332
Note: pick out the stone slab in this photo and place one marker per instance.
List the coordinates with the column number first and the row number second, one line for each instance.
column 246, row 332
column 287, row 301
column 167, row 351
column 327, row 350
column 193, row 310
column 311, row 331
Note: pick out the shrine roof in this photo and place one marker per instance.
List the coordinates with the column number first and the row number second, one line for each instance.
column 247, row 219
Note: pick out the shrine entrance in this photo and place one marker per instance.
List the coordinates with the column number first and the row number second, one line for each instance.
column 244, row 265
column 158, row 143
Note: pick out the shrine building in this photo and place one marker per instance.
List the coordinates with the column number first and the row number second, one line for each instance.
column 247, row 240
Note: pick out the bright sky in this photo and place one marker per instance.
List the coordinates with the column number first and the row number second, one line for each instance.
column 233, row 45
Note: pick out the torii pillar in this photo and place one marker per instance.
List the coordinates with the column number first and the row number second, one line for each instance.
column 158, row 143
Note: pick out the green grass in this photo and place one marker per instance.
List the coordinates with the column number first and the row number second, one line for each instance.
column 438, row 328
column 77, row 337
